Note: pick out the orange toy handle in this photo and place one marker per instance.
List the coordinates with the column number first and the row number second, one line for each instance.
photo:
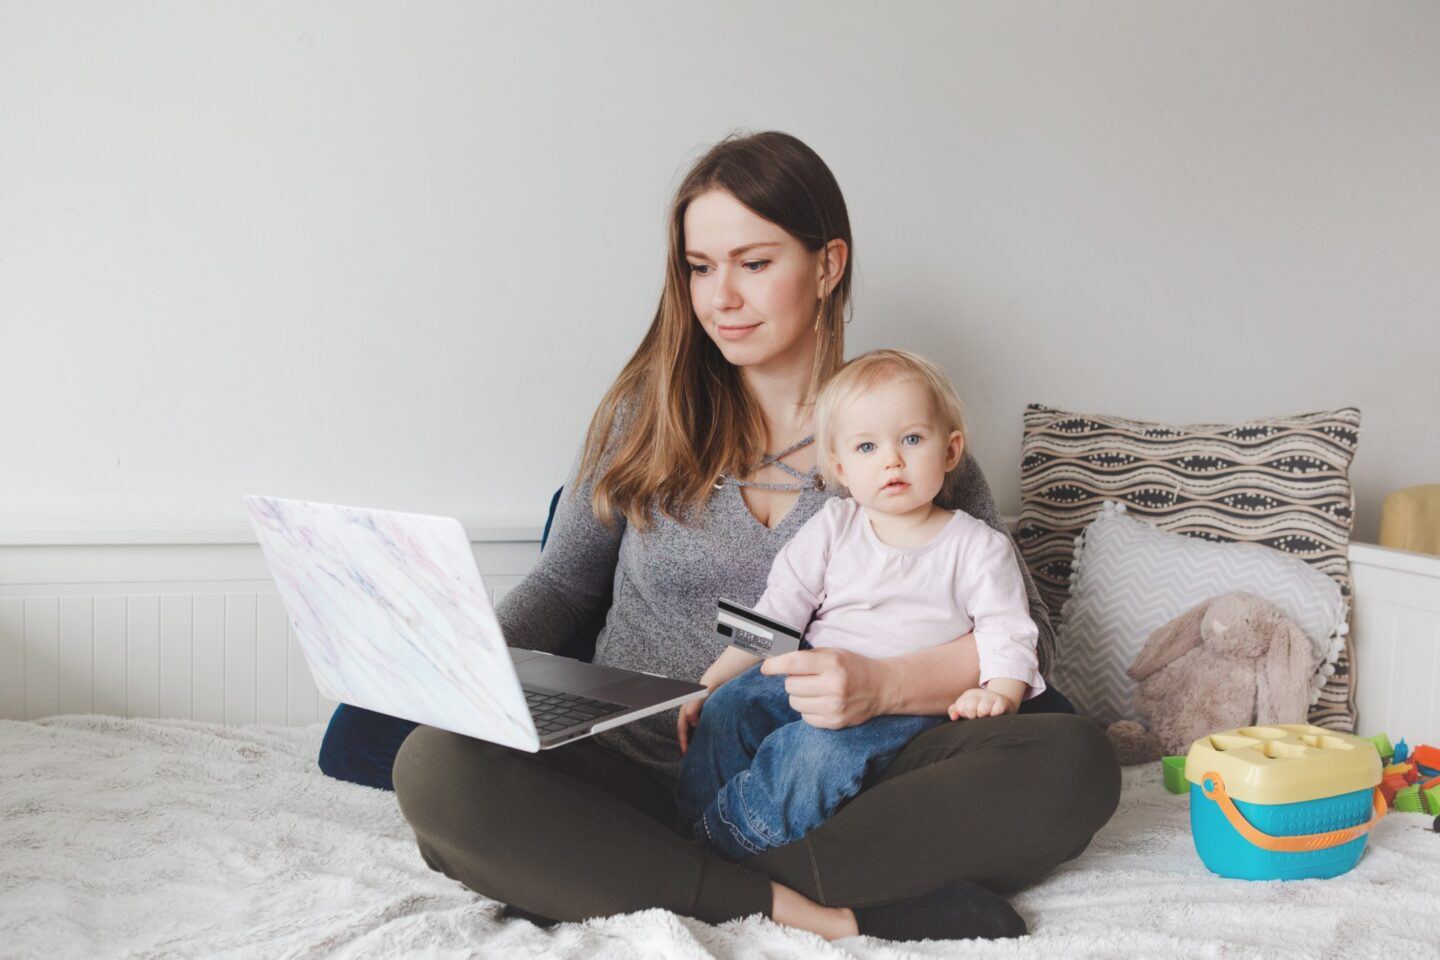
column 1295, row 844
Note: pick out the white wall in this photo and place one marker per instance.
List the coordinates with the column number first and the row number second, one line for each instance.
column 391, row 254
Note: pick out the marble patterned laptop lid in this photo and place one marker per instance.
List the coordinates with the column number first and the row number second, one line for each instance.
column 392, row 615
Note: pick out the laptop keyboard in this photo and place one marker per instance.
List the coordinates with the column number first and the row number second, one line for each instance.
column 553, row 712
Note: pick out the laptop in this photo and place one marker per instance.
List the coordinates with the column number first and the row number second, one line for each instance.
column 392, row 615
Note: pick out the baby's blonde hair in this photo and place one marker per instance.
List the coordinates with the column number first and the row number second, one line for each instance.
column 873, row 369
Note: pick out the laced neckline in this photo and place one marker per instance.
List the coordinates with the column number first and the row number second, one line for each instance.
column 806, row 480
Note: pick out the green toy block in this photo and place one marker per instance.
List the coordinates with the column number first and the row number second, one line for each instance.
column 1410, row 800
column 1382, row 744
column 1175, row 780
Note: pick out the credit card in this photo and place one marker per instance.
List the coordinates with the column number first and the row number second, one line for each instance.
column 754, row 633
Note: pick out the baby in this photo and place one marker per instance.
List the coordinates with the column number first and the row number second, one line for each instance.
column 881, row 573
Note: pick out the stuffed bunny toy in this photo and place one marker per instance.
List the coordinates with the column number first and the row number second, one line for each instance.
column 1232, row 661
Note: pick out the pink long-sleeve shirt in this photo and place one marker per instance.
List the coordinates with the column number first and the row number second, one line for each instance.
column 846, row 588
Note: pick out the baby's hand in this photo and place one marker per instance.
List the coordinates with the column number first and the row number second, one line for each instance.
column 689, row 719
column 979, row 702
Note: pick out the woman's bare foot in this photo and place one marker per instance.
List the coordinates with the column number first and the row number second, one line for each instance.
column 796, row 910
column 958, row 910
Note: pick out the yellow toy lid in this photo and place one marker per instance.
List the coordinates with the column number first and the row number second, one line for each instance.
column 1285, row 762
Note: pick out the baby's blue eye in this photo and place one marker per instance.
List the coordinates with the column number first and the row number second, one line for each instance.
column 865, row 447
column 914, row 436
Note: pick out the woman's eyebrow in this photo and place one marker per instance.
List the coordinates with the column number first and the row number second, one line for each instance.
column 737, row 251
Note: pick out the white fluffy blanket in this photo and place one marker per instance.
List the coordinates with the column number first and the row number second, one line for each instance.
column 158, row 838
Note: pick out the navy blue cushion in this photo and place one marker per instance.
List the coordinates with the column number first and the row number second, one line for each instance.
column 550, row 518
column 360, row 745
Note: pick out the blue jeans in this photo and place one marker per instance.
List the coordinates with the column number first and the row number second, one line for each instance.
column 757, row 776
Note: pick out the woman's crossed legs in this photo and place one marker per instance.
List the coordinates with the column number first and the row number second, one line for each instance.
column 581, row 831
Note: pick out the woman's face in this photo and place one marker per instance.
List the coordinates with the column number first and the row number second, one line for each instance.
column 754, row 287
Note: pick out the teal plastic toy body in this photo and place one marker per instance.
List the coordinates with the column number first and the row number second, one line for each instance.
column 1285, row 801
column 1227, row 853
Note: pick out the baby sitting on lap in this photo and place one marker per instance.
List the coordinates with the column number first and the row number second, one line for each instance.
column 881, row 573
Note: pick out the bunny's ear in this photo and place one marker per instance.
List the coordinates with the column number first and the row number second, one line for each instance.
column 1284, row 687
column 1165, row 644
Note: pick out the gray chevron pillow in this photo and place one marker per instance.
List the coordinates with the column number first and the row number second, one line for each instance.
column 1129, row 578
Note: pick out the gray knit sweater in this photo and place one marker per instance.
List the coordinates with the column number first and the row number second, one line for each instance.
column 664, row 583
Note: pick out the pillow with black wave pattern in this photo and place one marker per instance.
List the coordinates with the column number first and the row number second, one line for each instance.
column 1279, row 481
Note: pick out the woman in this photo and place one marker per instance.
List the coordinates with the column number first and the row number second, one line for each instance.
column 696, row 468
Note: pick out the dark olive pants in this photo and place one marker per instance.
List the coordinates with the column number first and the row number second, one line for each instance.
column 580, row 831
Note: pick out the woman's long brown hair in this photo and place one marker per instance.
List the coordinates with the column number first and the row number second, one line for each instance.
column 687, row 415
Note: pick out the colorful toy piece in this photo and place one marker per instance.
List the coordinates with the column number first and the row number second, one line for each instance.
column 1427, row 759
column 1382, row 746
column 1405, row 771
column 1423, row 760
column 1282, row 802
column 1419, row 798
column 1392, row 785
column 1175, row 774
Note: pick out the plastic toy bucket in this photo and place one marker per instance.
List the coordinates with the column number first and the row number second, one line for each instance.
column 1304, row 839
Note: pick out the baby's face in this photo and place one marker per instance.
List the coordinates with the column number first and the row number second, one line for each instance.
column 890, row 449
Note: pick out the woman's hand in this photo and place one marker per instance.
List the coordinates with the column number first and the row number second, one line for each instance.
column 689, row 719
column 833, row 688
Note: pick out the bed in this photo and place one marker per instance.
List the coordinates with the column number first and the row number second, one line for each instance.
column 162, row 837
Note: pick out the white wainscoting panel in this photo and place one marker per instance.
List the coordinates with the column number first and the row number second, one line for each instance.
column 180, row 630
column 196, row 630
column 1397, row 643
